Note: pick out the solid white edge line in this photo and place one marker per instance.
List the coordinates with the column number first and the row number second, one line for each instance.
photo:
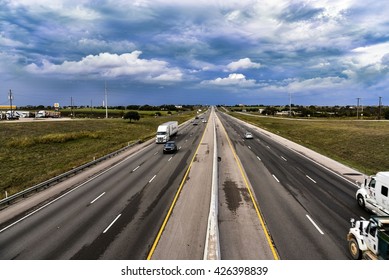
column 97, row 198
column 112, row 223
column 316, row 226
column 274, row 176
column 311, row 179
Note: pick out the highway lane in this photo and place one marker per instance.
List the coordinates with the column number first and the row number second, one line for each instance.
column 306, row 207
column 114, row 215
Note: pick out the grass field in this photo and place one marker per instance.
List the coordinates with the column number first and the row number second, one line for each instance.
column 33, row 152
column 363, row 145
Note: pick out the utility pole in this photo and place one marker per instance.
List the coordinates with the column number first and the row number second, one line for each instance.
column 290, row 104
column 106, row 101
column 71, row 106
column 358, row 98
column 379, row 107
column 10, row 97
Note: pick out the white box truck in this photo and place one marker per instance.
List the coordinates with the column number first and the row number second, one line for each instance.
column 373, row 194
column 165, row 131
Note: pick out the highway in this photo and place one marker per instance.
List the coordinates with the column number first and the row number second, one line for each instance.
column 273, row 203
column 307, row 208
column 115, row 215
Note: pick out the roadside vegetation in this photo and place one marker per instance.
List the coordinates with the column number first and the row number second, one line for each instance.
column 360, row 144
column 32, row 152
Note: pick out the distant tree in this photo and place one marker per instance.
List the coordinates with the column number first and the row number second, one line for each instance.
column 386, row 114
column 132, row 115
column 270, row 110
column 158, row 114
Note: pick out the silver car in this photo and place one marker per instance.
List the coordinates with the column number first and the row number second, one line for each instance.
column 248, row 135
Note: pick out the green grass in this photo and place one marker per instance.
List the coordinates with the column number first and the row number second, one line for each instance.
column 33, row 152
column 363, row 145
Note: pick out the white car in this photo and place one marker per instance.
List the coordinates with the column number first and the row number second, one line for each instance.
column 248, row 135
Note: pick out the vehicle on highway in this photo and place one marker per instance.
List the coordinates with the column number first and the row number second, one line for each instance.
column 204, row 120
column 165, row 131
column 369, row 239
column 48, row 114
column 170, row 147
column 248, row 135
column 373, row 194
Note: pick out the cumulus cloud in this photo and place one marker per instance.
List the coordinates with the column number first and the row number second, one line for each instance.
column 115, row 46
column 234, row 79
column 112, row 66
column 244, row 63
column 307, row 85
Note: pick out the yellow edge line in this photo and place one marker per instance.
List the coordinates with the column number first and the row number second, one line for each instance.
column 256, row 206
column 174, row 201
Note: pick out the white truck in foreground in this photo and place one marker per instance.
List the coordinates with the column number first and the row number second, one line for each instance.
column 369, row 239
column 165, row 131
column 373, row 195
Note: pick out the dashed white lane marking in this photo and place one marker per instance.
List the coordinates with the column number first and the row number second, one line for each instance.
column 316, row 226
column 136, row 168
column 111, row 223
column 311, row 179
column 275, row 178
column 170, row 159
column 284, row 158
column 259, row 158
column 152, row 178
column 97, row 198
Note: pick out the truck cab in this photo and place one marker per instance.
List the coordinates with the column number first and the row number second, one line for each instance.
column 369, row 239
column 373, row 194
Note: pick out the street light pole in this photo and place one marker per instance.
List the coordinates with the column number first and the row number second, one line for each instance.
column 106, row 101
column 10, row 101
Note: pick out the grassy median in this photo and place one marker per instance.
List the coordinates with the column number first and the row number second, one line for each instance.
column 32, row 152
column 363, row 145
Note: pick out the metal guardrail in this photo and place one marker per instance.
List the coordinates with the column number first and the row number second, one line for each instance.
column 61, row 177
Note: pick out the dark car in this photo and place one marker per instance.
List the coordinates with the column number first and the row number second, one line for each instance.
column 170, row 147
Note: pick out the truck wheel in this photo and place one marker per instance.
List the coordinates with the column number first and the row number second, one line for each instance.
column 361, row 201
column 353, row 247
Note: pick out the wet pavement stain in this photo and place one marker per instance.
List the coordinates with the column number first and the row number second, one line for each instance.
column 234, row 195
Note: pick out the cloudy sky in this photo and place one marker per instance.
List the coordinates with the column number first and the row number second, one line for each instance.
column 318, row 52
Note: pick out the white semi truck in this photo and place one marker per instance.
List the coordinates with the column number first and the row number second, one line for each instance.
column 373, row 194
column 369, row 239
column 165, row 131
